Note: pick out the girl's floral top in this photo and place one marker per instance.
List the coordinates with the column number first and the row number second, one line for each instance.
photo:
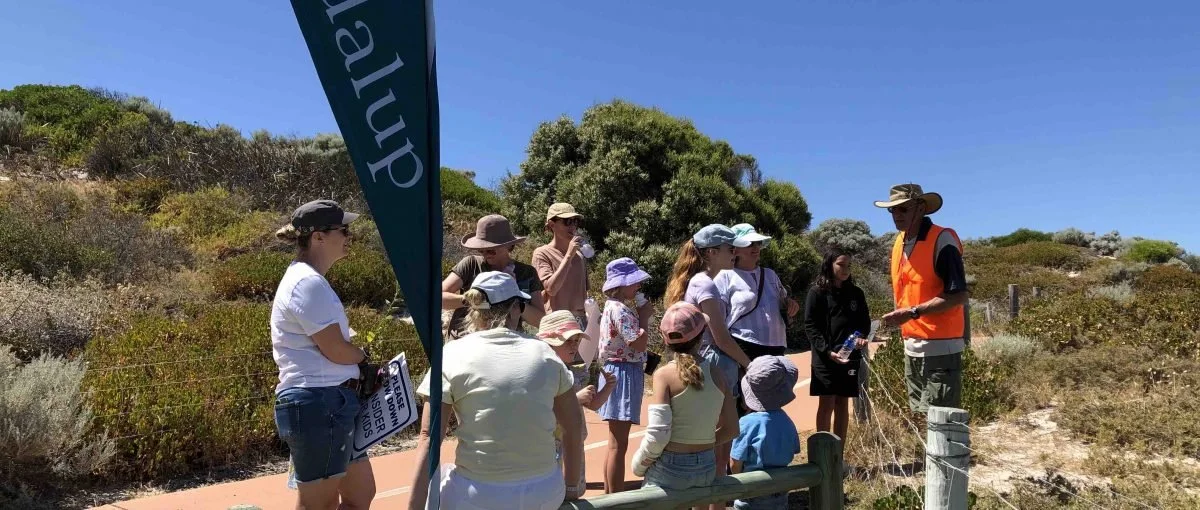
column 618, row 328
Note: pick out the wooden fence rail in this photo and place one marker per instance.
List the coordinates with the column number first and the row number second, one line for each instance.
column 822, row 475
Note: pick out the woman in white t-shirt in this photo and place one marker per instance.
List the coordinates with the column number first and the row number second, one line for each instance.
column 509, row 390
column 316, row 399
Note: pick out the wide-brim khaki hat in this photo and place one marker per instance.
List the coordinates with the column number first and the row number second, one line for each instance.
column 491, row 231
column 905, row 193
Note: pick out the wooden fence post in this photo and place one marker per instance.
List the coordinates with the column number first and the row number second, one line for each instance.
column 825, row 450
column 1014, row 301
column 947, row 458
column 988, row 312
column 1037, row 292
column 862, row 404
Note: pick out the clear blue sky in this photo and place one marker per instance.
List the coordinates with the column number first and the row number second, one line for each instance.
column 1022, row 113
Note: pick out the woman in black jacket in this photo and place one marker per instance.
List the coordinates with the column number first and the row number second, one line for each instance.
column 835, row 308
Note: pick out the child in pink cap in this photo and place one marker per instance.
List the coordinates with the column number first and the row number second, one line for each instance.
column 691, row 412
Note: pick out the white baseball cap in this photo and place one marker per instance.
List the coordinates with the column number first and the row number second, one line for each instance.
column 498, row 286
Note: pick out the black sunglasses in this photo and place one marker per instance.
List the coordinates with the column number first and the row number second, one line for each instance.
column 345, row 229
column 568, row 221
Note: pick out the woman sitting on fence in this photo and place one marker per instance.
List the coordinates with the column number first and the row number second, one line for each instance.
column 691, row 412
column 316, row 399
column 508, row 391
column 700, row 260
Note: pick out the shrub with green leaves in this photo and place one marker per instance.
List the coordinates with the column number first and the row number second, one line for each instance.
column 196, row 392
column 1169, row 321
column 45, row 435
column 987, row 384
column 1167, row 279
column 1152, row 252
column 364, row 277
column 458, row 188
column 48, row 228
column 68, row 118
column 1021, row 236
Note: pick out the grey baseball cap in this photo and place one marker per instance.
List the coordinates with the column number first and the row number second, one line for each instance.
column 321, row 214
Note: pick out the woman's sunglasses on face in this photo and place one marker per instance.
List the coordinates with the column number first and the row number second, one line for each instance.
column 568, row 221
column 344, row 229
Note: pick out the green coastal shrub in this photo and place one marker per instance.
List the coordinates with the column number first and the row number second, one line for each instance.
column 364, row 277
column 46, row 420
column 196, row 392
column 12, row 128
column 1152, row 252
column 1021, row 236
column 48, row 228
column 457, row 187
column 1168, row 321
column 988, row 383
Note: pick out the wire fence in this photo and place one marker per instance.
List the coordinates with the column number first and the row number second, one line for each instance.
column 892, row 455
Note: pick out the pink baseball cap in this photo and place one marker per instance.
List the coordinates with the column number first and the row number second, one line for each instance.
column 682, row 322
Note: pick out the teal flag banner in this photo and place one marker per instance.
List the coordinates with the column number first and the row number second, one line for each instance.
column 376, row 62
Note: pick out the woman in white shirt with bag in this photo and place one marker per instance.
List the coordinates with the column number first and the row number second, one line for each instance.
column 316, row 399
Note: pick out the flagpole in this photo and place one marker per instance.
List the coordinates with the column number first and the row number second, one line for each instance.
column 435, row 245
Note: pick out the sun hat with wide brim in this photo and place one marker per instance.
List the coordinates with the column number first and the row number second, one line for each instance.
column 905, row 193
column 769, row 383
column 491, row 231
column 559, row 326
column 621, row 272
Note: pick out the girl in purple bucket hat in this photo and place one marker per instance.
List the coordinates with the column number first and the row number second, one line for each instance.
column 623, row 348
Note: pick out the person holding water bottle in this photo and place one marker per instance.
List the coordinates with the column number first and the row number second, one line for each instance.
column 835, row 316
column 562, row 263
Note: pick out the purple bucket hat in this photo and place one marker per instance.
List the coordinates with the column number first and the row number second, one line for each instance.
column 770, row 383
column 623, row 271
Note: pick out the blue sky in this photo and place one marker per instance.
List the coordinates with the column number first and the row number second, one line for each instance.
column 1021, row 113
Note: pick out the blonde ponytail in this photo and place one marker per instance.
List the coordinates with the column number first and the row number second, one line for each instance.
column 687, row 264
column 290, row 235
column 689, row 370
column 484, row 315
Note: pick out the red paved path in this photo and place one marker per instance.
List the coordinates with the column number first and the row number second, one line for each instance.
column 394, row 472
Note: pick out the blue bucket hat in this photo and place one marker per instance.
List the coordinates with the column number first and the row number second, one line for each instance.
column 713, row 236
column 621, row 272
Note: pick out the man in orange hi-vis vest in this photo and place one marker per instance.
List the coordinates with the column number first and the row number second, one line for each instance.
column 930, row 289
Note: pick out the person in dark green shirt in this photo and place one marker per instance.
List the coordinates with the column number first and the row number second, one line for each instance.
column 493, row 243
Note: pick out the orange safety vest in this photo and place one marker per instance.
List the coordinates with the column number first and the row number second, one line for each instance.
column 914, row 281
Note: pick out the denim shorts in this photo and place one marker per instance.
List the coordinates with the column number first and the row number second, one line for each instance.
column 724, row 367
column 678, row 471
column 318, row 426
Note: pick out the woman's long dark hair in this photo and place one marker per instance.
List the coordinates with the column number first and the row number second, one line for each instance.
column 826, row 280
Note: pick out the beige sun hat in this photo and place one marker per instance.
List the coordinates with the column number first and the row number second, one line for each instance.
column 559, row 326
column 904, row 193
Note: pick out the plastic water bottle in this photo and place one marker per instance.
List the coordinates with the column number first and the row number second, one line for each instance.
column 851, row 343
